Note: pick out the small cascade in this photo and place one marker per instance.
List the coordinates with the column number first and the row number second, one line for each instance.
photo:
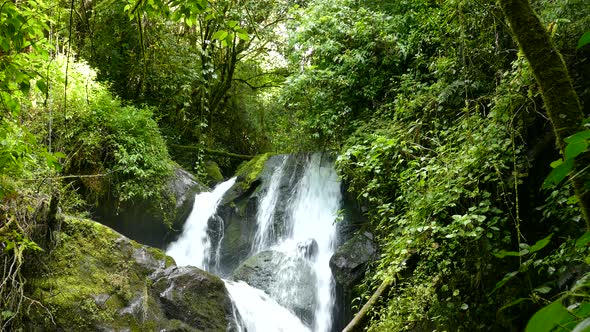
column 295, row 227
column 310, row 233
column 259, row 312
column 266, row 210
column 193, row 247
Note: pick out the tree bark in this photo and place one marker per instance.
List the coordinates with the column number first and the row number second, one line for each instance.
column 560, row 99
column 360, row 319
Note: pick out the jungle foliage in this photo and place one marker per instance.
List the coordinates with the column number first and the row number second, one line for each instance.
column 441, row 131
column 436, row 116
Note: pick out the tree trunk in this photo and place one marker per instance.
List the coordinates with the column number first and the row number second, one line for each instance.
column 561, row 101
column 360, row 320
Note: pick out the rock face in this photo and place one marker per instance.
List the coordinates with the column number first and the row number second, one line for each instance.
column 98, row 280
column 287, row 280
column 348, row 265
column 350, row 260
column 149, row 222
column 193, row 296
column 239, row 207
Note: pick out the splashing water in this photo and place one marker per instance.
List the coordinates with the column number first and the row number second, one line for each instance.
column 305, row 233
column 259, row 312
column 266, row 211
column 193, row 247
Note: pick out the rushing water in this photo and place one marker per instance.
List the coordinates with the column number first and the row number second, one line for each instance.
column 312, row 214
column 194, row 245
column 266, row 210
column 304, row 234
column 259, row 312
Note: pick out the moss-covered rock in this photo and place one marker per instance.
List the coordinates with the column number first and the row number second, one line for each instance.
column 213, row 172
column 154, row 222
column 248, row 172
column 98, row 280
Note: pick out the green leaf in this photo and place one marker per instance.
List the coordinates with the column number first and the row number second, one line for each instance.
column 579, row 137
column 504, row 253
column 584, row 40
column 220, row 35
column 540, row 244
column 583, row 326
column 243, row 36
column 572, row 150
column 42, row 86
column 232, row 24
column 542, row 290
column 549, row 317
column 558, row 173
column 583, row 240
column 504, row 280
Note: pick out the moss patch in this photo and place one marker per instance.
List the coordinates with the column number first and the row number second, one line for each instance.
column 91, row 277
column 249, row 172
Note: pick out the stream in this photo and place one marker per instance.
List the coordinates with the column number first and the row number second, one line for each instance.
column 297, row 235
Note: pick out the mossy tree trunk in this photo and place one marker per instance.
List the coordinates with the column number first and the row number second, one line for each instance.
column 561, row 101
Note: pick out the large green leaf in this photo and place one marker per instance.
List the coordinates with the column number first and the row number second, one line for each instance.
column 549, row 317
column 220, row 35
column 584, row 40
column 540, row 244
column 583, row 240
column 558, row 173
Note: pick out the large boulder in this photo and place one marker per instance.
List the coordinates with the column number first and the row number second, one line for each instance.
column 193, row 296
column 157, row 221
column 349, row 262
column 348, row 265
column 95, row 279
column 288, row 280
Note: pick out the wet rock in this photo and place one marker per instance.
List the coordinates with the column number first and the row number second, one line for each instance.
column 98, row 280
column 349, row 262
column 153, row 222
column 348, row 265
column 308, row 249
column 193, row 296
column 288, row 280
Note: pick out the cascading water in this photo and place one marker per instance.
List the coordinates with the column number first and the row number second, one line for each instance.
column 266, row 211
column 303, row 233
column 312, row 214
column 194, row 245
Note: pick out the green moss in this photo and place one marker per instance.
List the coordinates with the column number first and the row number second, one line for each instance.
column 249, row 171
column 91, row 261
column 213, row 172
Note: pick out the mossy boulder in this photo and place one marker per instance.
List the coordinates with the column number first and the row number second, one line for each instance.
column 156, row 221
column 213, row 172
column 95, row 279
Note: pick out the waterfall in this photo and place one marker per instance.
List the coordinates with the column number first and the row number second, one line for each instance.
column 312, row 214
column 295, row 219
column 261, row 313
column 193, row 247
column 266, row 210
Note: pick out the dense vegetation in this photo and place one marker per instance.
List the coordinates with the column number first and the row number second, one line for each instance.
column 437, row 118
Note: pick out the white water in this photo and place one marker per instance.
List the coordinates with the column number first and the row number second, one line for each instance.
column 313, row 213
column 193, row 247
column 312, row 210
column 266, row 211
column 261, row 313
